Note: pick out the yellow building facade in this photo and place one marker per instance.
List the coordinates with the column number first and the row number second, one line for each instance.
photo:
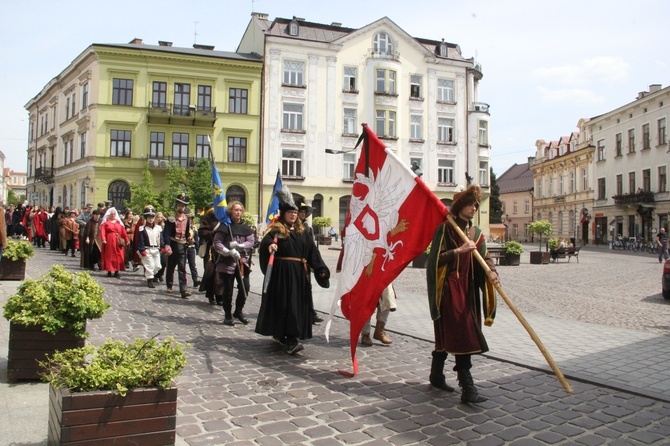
column 118, row 108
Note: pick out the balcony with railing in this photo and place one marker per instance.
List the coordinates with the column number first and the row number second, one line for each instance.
column 44, row 175
column 165, row 161
column 180, row 114
column 479, row 107
column 633, row 199
column 388, row 55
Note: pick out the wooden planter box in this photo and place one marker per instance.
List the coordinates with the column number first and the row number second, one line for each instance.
column 324, row 240
column 144, row 416
column 512, row 259
column 12, row 269
column 28, row 344
column 539, row 258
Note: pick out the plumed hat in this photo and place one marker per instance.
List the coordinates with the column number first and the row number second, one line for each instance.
column 472, row 194
column 285, row 198
column 306, row 208
column 182, row 198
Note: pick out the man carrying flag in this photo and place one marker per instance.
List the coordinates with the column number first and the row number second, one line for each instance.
column 392, row 215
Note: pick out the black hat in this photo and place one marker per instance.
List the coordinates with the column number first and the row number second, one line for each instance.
column 182, row 198
column 101, row 205
column 149, row 211
column 306, row 208
column 95, row 212
column 285, row 198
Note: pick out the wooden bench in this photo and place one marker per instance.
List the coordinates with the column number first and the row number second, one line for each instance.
column 573, row 252
column 496, row 253
column 557, row 254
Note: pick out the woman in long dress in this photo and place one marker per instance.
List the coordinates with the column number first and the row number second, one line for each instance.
column 90, row 253
column 112, row 232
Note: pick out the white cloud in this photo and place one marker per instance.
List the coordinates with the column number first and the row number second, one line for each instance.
column 607, row 70
column 577, row 96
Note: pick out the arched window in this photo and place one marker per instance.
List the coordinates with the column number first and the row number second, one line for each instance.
column 236, row 193
column 118, row 192
column 383, row 43
column 317, row 206
column 293, row 28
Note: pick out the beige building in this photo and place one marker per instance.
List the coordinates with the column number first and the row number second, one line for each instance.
column 631, row 162
column 516, row 194
column 17, row 182
column 563, row 185
column 322, row 81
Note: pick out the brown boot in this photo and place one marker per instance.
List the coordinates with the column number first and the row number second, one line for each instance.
column 380, row 334
column 365, row 340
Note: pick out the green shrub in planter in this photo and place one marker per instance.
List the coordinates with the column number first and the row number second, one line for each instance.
column 541, row 227
column 116, row 366
column 322, row 222
column 60, row 300
column 552, row 243
column 18, row 250
column 512, row 247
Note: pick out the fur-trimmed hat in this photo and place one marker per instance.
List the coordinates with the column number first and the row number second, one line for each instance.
column 472, row 194
column 285, row 198
column 182, row 198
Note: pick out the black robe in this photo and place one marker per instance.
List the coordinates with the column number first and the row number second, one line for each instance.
column 287, row 309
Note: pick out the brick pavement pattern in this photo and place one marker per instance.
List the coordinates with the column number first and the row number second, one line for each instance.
column 242, row 389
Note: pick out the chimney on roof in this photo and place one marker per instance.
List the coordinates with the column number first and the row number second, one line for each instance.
column 135, row 41
column 338, row 24
column 653, row 88
column 531, row 161
column 260, row 15
column 198, row 46
column 641, row 94
column 299, row 19
column 164, row 43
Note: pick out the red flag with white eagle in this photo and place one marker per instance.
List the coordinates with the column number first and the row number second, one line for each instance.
column 391, row 220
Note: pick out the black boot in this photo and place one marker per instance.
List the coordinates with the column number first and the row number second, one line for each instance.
column 150, row 283
column 469, row 391
column 228, row 318
column 437, row 378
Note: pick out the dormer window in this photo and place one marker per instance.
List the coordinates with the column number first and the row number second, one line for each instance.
column 441, row 49
column 293, row 28
column 383, row 43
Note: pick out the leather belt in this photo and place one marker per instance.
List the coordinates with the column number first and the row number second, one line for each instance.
column 294, row 259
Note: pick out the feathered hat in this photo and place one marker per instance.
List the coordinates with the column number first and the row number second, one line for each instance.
column 285, row 198
column 473, row 194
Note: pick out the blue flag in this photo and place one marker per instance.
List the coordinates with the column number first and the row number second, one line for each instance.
column 273, row 207
column 220, row 204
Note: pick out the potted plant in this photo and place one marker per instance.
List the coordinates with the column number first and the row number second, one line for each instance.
column 14, row 258
column 126, row 389
column 49, row 314
column 541, row 228
column 319, row 223
column 513, row 252
column 422, row 259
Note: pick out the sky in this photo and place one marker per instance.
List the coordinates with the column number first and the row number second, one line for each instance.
column 546, row 64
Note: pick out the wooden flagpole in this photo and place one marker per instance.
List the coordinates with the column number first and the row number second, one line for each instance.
column 526, row 325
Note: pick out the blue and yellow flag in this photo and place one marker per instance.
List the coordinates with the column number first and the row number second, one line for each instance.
column 220, row 204
column 273, row 207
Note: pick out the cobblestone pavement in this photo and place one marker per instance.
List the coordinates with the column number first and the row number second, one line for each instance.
column 242, row 389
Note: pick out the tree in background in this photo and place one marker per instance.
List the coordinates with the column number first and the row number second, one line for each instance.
column 495, row 204
column 200, row 185
column 143, row 193
column 13, row 199
column 177, row 182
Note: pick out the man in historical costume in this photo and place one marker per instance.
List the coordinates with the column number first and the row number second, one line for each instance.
column 286, row 309
column 177, row 235
column 114, row 241
column 304, row 211
column 81, row 220
column 91, row 243
column 234, row 243
column 71, row 232
column 455, row 282
column 149, row 244
column 210, row 281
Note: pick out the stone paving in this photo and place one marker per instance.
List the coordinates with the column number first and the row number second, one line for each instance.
column 242, row 389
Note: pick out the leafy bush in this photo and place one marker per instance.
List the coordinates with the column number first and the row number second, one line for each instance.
column 18, row 250
column 541, row 227
column 248, row 219
column 116, row 365
column 552, row 243
column 512, row 247
column 60, row 300
column 322, row 222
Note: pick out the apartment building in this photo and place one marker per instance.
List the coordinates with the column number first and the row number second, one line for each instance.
column 118, row 108
column 516, row 194
column 322, row 81
column 632, row 157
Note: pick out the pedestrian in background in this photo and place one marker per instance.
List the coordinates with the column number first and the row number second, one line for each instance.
column 3, row 232
column 114, row 241
column 662, row 240
column 455, row 281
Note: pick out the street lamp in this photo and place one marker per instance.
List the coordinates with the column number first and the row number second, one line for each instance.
column 339, row 152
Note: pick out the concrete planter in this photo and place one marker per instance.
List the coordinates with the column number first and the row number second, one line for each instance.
column 144, row 416
column 29, row 344
column 12, row 269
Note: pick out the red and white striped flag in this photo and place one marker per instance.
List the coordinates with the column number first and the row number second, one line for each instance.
column 391, row 220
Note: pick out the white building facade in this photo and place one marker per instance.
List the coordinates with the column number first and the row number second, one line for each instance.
column 321, row 82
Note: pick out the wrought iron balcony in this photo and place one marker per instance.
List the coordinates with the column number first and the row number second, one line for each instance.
column 164, row 112
column 44, row 175
column 636, row 198
column 388, row 55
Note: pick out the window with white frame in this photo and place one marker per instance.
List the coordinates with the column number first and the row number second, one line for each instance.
column 445, row 130
column 292, row 117
column 415, row 86
column 349, row 79
column 661, row 131
column 515, row 229
column 618, row 144
column 540, row 189
column 585, row 180
column 560, row 184
column 67, row 108
column 551, row 186
column 416, row 127
column 484, row 173
column 601, row 150
column 349, row 167
column 526, row 209
column 631, row 140
column 445, row 90
column 646, row 137
column 483, row 133
column 385, row 123
column 82, row 145
column 602, row 192
column 662, row 179
column 293, row 28
column 291, row 163
column 515, row 208
column 349, row 124
column 572, row 181
column 445, row 171
column 180, row 148
column 385, row 83
column 84, row 96
column 383, row 43
column 294, row 73
column 120, row 143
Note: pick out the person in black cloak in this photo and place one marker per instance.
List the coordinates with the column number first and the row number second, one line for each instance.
column 286, row 308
